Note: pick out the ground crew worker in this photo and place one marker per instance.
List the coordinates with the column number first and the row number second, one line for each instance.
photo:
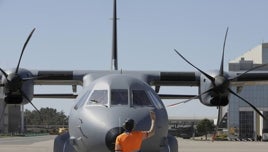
column 130, row 141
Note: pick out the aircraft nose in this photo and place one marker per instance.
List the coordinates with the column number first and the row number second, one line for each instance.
column 111, row 136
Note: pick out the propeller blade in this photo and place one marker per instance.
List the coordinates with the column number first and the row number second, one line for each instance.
column 252, row 106
column 208, row 76
column 4, row 73
column 6, row 76
column 254, row 68
column 25, row 96
column 195, row 97
column 24, row 46
column 222, row 57
column 173, row 105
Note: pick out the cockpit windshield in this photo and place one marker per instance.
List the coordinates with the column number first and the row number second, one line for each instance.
column 140, row 98
column 119, row 97
column 99, row 97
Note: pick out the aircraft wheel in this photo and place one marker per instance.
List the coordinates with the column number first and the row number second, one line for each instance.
column 173, row 144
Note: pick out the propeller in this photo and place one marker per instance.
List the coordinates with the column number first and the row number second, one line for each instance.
column 220, row 84
column 13, row 83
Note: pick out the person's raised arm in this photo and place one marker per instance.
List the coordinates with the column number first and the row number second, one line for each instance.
column 117, row 147
column 151, row 132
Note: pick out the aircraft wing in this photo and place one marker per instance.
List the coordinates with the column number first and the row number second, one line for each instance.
column 156, row 79
column 80, row 77
column 153, row 78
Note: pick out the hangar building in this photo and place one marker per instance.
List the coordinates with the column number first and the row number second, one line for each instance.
column 243, row 122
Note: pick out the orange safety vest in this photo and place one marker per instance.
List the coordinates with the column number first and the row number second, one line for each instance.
column 130, row 142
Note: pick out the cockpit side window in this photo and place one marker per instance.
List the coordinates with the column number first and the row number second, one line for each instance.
column 119, row 97
column 82, row 100
column 156, row 100
column 98, row 97
column 140, row 98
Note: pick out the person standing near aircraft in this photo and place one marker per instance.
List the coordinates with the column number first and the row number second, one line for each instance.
column 130, row 141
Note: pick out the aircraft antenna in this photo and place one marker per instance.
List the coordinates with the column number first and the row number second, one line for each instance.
column 114, row 45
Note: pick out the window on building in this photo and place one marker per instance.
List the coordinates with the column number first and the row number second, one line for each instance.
column 246, row 128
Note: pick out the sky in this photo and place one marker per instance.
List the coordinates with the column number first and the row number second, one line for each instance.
column 77, row 35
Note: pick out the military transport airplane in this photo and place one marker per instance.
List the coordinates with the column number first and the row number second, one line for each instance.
column 110, row 97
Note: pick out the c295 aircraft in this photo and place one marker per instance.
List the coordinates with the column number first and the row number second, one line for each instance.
column 108, row 98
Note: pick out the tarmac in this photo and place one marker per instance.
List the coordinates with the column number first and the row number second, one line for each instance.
column 45, row 144
column 187, row 145
column 27, row 144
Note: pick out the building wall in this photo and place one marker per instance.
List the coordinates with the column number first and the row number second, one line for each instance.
column 10, row 118
column 240, row 114
column 3, row 120
column 254, row 54
column 264, row 53
column 14, row 121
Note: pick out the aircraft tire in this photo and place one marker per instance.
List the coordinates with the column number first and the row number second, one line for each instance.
column 173, row 144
